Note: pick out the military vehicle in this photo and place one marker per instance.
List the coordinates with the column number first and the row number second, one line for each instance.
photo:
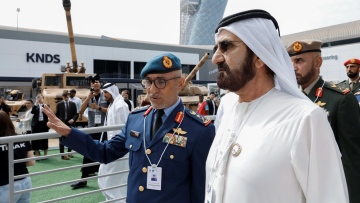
column 52, row 86
column 15, row 99
column 190, row 92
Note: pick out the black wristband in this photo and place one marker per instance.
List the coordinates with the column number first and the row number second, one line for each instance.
column 100, row 108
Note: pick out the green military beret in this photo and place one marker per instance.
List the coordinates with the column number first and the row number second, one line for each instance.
column 304, row 46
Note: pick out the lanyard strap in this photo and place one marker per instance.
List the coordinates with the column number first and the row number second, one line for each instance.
column 155, row 165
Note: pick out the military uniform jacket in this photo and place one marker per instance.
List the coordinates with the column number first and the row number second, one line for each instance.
column 183, row 167
column 345, row 85
column 343, row 114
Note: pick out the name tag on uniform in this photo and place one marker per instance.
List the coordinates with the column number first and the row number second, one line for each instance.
column 177, row 140
column 97, row 119
column 154, row 178
column 134, row 133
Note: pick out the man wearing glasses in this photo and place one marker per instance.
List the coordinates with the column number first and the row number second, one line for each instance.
column 167, row 143
column 273, row 144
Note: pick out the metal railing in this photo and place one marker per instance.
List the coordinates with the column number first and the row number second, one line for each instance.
column 10, row 140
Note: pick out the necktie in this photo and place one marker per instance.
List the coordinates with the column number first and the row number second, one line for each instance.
column 351, row 85
column 158, row 122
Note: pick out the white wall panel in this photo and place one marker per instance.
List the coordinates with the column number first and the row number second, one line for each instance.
column 334, row 69
column 13, row 56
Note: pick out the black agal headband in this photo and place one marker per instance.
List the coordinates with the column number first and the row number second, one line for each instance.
column 255, row 13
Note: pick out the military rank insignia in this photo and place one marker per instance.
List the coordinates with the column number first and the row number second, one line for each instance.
column 179, row 117
column 345, row 91
column 319, row 103
column 319, row 92
column 176, row 138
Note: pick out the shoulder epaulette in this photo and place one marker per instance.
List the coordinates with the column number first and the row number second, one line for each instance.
column 336, row 88
column 200, row 118
column 341, row 82
column 140, row 109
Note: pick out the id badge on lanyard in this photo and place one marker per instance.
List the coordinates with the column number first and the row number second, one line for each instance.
column 98, row 112
column 97, row 118
column 154, row 178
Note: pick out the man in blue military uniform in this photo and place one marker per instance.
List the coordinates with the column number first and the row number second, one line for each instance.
column 352, row 71
column 175, row 153
column 340, row 106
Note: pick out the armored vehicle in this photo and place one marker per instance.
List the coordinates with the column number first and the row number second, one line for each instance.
column 15, row 99
column 52, row 85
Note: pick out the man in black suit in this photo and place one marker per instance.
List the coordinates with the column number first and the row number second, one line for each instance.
column 39, row 125
column 212, row 104
column 340, row 106
column 66, row 111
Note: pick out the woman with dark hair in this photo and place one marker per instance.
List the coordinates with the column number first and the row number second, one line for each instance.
column 22, row 150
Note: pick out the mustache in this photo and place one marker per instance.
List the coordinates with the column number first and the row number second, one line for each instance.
column 156, row 95
column 223, row 67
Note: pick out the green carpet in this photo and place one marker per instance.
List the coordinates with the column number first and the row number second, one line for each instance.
column 64, row 190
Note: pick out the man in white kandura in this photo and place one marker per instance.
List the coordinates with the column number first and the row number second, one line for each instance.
column 116, row 114
column 275, row 145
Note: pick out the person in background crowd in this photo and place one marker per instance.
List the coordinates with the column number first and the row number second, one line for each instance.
column 145, row 101
column 202, row 108
column 75, row 99
column 38, row 125
column 341, row 108
column 211, row 103
column 22, row 150
column 167, row 143
column 117, row 113
column 125, row 95
column 97, row 108
column 4, row 106
column 275, row 145
column 352, row 70
column 26, row 120
column 66, row 111
column 128, row 103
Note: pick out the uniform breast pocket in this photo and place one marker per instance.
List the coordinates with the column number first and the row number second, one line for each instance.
column 176, row 162
column 134, row 147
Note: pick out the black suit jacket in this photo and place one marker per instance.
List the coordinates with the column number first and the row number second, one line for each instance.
column 5, row 107
column 71, row 112
column 211, row 108
column 36, row 125
column 344, row 117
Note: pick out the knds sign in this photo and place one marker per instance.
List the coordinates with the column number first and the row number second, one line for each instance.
column 42, row 58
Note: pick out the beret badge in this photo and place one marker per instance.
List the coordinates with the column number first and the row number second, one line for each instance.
column 352, row 61
column 167, row 62
column 297, row 46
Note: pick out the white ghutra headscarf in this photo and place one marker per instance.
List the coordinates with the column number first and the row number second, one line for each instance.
column 260, row 35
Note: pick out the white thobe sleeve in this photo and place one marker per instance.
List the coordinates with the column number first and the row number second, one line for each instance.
column 317, row 161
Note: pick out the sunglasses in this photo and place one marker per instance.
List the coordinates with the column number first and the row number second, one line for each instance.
column 224, row 46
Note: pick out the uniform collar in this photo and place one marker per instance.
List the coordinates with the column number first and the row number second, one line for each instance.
column 167, row 111
column 355, row 81
column 308, row 89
